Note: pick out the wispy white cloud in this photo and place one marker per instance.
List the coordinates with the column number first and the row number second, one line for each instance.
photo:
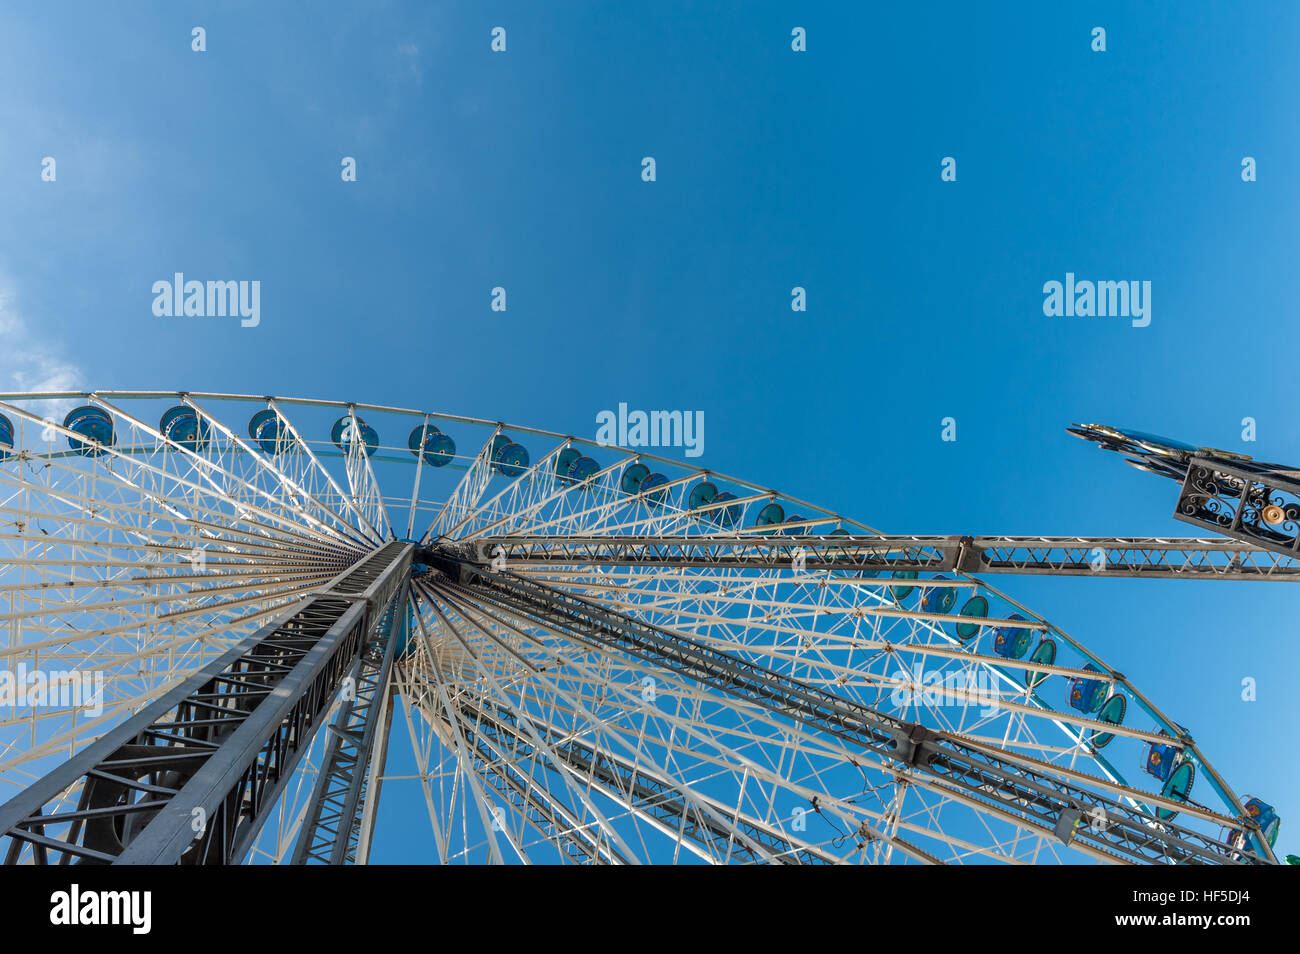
column 29, row 362
column 410, row 53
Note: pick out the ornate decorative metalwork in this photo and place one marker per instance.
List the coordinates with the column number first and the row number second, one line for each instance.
column 1225, row 492
column 1259, row 507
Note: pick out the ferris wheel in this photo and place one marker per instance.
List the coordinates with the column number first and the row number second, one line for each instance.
column 222, row 612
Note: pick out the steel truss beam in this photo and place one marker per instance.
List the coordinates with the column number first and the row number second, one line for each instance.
column 375, row 777
column 1096, row 815
column 332, row 828
column 1153, row 557
column 191, row 778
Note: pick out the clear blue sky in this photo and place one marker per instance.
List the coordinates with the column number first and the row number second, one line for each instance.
column 775, row 169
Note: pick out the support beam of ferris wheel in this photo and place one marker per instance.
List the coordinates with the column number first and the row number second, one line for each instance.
column 1039, row 796
column 1113, row 557
column 646, row 794
column 333, row 829
column 217, row 749
column 712, row 830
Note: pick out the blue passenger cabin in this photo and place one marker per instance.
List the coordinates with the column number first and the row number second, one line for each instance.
column 701, row 495
column 977, row 607
column 939, row 599
column 795, row 528
column 345, row 432
column 266, row 428
column 1161, row 758
column 509, row 459
column 563, row 461
column 1167, row 762
column 902, row 591
column 6, row 437
column 634, row 477
column 1012, row 642
column 1044, row 654
column 95, row 427
column 1263, row 815
column 725, row 517
column 182, row 425
column 771, row 515
column 1087, row 695
column 653, row 497
column 1112, row 713
column 583, row 469
column 432, row 445
column 1177, row 787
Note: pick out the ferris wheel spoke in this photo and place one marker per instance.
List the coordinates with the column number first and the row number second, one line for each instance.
column 544, row 498
column 214, row 467
column 503, row 767
column 133, row 621
column 605, row 514
column 207, row 464
column 689, row 727
column 425, row 431
column 550, row 818
column 175, row 507
column 848, row 677
column 1076, row 739
column 125, row 689
column 575, row 791
column 321, row 517
column 691, row 802
column 365, row 497
column 658, row 802
column 972, row 760
column 708, row 624
column 537, row 487
column 304, row 447
column 159, row 540
column 405, row 688
column 464, row 498
column 460, row 749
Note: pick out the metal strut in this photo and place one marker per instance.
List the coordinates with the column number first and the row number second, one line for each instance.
column 1153, row 557
column 499, row 763
column 191, row 778
column 1030, row 792
column 643, row 791
column 331, row 830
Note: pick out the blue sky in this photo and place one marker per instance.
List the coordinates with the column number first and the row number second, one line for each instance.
column 774, row 169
